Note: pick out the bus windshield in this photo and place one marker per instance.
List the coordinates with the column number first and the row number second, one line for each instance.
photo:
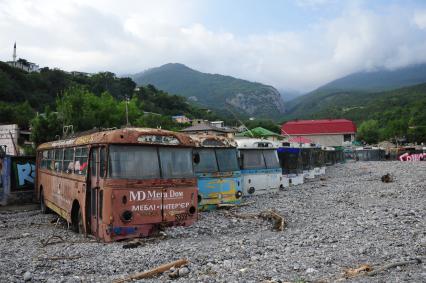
column 143, row 162
column 208, row 162
column 271, row 158
column 217, row 160
column 176, row 162
column 227, row 159
column 253, row 159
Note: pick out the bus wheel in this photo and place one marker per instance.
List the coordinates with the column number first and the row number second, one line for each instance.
column 77, row 222
column 44, row 209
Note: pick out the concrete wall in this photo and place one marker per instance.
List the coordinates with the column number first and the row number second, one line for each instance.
column 17, row 176
column 326, row 140
column 8, row 136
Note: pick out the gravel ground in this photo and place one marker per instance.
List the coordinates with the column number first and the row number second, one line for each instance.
column 349, row 219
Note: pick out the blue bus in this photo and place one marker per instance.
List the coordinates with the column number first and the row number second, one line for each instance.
column 290, row 157
column 217, row 170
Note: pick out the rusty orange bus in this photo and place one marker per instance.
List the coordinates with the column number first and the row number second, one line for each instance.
column 119, row 184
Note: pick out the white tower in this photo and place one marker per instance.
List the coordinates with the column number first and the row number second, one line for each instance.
column 14, row 54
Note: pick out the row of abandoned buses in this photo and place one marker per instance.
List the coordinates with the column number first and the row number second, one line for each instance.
column 128, row 183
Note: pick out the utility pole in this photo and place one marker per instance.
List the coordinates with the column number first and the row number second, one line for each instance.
column 235, row 116
column 127, row 112
column 14, row 54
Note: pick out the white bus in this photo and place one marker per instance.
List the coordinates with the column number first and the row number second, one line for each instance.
column 260, row 168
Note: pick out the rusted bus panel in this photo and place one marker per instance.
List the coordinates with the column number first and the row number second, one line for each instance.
column 118, row 207
column 125, row 136
column 60, row 190
column 138, row 212
column 204, row 140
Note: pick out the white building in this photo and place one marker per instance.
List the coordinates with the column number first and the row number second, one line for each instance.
column 9, row 137
column 22, row 63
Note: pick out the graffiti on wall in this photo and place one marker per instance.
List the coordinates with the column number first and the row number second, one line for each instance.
column 23, row 174
column 413, row 157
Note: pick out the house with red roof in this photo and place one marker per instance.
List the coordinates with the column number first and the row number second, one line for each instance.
column 328, row 132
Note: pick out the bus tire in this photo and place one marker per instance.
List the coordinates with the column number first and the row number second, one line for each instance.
column 44, row 209
column 77, row 219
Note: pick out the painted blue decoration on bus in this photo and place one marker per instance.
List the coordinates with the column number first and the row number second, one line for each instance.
column 218, row 174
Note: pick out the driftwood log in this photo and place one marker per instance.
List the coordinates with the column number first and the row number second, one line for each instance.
column 269, row 214
column 272, row 215
column 153, row 272
column 368, row 270
column 394, row 264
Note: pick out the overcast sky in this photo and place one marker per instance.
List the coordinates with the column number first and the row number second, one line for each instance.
column 296, row 45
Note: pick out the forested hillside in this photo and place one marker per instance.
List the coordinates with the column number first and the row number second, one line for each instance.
column 380, row 115
column 215, row 91
column 85, row 102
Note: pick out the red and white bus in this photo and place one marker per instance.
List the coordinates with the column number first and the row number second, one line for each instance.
column 119, row 184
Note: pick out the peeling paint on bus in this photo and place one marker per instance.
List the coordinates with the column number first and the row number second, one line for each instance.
column 114, row 208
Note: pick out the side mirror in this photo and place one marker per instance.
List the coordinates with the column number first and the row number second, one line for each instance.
column 196, row 158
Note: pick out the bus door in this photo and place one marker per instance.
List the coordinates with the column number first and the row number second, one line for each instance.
column 97, row 173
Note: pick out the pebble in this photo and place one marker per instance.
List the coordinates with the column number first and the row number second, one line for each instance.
column 329, row 228
column 28, row 276
column 183, row 271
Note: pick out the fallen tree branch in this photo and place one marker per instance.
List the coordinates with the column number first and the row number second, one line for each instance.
column 394, row 264
column 153, row 272
column 367, row 270
column 279, row 222
column 49, row 241
column 353, row 272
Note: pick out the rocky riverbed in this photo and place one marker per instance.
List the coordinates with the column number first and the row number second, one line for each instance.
column 346, row 219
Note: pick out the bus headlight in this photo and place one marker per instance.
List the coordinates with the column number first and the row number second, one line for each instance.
column 126, row 216
column 251, row 190
column 192, row 210
column 238, row 194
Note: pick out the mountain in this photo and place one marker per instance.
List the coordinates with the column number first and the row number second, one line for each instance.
column 289, row 95
column 215, row 91
column 379, row 80
column 97, row 100
column 386, row 114
column 358, row 87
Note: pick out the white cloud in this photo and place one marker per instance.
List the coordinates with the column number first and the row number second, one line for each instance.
column 420, row 19
column 130, row 36
column 313, row 3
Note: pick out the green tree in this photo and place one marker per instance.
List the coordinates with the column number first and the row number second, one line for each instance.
column 368, row 131
column 264, row 123
column 45, row 127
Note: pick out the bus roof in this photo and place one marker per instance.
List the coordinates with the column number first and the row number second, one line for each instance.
column 212, row 141
column 256, row 144
column 145, row 136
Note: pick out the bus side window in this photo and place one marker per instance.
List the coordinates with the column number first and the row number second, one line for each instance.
column 50, row 159
column 59, row 155
column 69, row 161
column 80, row 165
column 93, row 161
column 102, row 162
column 44, row 159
